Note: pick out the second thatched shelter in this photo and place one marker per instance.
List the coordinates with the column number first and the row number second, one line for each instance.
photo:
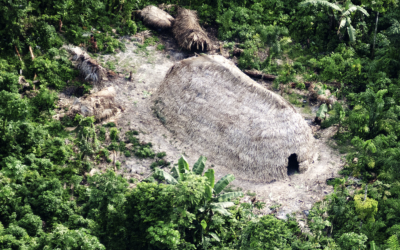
column 188, row 32
column 101, row 105
column 155, row 17
column 88, row 67
column 256, row 133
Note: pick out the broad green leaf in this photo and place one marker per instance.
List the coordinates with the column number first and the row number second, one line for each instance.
column 221, row 211
column 370, row 146
column 210, row 176
column 214, row 236
column 203, row 224
column 349, row 11
column 321, row 2
column 362, row 10
column 230, row 195
column 199, row 166
column 176, row 174
column 223, row 182
column 183, row 165
column 225, row 204
column 342, row 24
column 321, row 113
column 209, row 192
column 351, row 32
column 161, row 174
column 202, row 209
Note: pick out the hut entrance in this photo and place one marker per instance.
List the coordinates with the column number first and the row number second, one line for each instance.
column 293, row 166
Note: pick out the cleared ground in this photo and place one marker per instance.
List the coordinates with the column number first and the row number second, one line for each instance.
column 149, row 65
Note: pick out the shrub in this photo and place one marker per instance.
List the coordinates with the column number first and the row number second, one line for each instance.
column 114, row 134
column 160, row 47
column 127, row 153
column 145, row 152
column 118, row 165
column 102, row 134
column 110, row 125
column 161, row 154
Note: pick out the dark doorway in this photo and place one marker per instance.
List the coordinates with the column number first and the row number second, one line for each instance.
column 293, row 166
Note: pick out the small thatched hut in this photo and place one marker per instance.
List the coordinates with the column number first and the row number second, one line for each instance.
column 101, row 105
column 155, row 17
column 188, row 32
column 88, row 67
column 239, row 124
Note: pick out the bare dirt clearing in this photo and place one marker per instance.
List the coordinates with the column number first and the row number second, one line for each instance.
column 296, row 193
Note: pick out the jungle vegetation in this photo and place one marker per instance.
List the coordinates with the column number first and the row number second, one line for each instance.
column 47, row 202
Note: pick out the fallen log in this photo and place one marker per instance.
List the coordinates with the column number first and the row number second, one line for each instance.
column 237, row 52
column 258, row 74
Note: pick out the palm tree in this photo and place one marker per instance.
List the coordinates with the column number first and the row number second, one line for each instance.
column 345, row 13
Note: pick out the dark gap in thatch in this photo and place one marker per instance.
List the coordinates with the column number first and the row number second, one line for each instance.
column 293, row 166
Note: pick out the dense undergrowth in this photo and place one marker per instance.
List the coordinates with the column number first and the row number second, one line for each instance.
column 47, row 201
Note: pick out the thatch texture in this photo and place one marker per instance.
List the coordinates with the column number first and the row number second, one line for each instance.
column 239, row 124
column 188, row 33
column 155, row 17
column 88, row 67
column 101, row 105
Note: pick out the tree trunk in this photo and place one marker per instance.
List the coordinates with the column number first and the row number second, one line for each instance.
column 33, row 58
column 376, row 28
column 16, row 49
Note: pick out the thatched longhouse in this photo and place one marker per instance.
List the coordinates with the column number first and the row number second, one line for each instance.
column 155, row 17
column 239, row 124
column 188, row 32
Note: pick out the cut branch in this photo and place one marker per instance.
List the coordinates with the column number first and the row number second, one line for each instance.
column 16, row 49
column 258, row 74
column 33, row 58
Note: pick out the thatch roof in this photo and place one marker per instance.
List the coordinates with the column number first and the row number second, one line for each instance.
column 88, row 67
column 239, row 124
column 155, row 17
column 188, row 33
column 101, row 105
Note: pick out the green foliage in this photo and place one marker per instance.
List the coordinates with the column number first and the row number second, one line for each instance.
column 86, row 137
column 114, row 134
column 367, row 208
column 47, row 202
column 266, row 233
column 345, row 14
column 109, row 125
column 352, row 241
column 9, row 82
column 322, row 110
column 161, row 155
column 145, row 152
column 102, row 134
column 160, row 47
column 53, row 73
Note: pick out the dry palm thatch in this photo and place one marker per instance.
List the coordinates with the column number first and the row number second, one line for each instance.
column 88, row 67
column 188, row 33
column 101, row 105
column 23, row 82
column 239, row 124
column 155, row 17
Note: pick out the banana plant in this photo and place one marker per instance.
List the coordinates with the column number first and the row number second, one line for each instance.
column 344, row 14
column 216, row 201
